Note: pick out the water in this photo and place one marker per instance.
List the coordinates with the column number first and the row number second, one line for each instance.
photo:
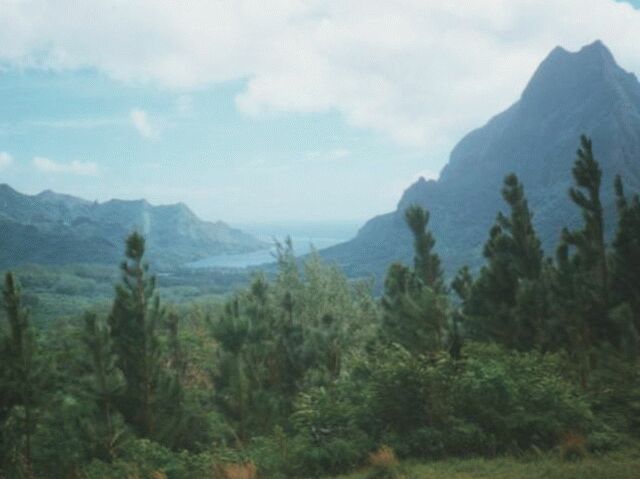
column 304, row 236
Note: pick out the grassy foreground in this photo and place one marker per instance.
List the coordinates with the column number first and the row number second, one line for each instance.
column 618, row 465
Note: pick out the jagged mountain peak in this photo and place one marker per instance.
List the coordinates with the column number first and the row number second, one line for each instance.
column 416, row 192
column 570, row 93
column 567, row 76
column 595, row 51
column 597, row 48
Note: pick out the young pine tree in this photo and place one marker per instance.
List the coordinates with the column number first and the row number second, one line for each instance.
column 426, row 263
column 584, row 250
column 581, row 278
column 461, row 285
column 104, row 429
column 21, row 381
column 507, row 302
column 625, row 263
column 177, row 425
column 589, row 243
column 134, row 319
column 413, row 302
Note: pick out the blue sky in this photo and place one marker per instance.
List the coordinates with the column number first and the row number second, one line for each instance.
column 311, row 111
column 194, row 147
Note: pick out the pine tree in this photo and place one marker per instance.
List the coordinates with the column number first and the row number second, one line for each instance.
column 172, row 428
column 581, row 277
column 527, row 251
column 585, row 249
column 426, row 263
column 413, row 303
column 572, row 315
column 507, row 302
column 625, row 263
column 234, row 390
column 21, row 375
column 134, row 318
column 461, row 285
column 589, row 242
column 105, row 430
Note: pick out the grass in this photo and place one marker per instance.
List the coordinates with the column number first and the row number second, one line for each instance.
column 619, row 465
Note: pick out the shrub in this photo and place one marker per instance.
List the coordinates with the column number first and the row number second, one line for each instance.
column 329, row 435
column 333, row 456
column 605, row 439
column 146, row 459
column 614, row 391
column 467, row 439
column 520, row 399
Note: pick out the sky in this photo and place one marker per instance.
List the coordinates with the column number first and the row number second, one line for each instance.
column 253, row 111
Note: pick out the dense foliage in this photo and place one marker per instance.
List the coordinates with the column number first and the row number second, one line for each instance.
column 304, row 373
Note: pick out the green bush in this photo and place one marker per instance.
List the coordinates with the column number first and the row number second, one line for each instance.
column 332, row 456
column 467, row 439
column 328, row 434
column 521, row 399
column 489, row 402
column 147, row 459
column 614, row 391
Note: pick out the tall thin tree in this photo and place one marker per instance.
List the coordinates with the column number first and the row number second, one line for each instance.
column 106, row 431
column 20, row 372
column 426, row 263
column 586, row 248
column 134, row 319
column 506, row 303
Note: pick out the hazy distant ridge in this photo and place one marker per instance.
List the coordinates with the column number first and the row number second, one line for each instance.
column 56, row 228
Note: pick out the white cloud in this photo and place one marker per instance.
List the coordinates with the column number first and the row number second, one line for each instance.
column 421, row 72
column 142, row 123
column 82, row 168
column 5, row 160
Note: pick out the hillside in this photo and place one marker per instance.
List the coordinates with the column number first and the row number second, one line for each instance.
column 51, row 228
column 570, row 93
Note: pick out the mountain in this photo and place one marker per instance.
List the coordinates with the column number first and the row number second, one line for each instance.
column 536, row 138
column 53, row 228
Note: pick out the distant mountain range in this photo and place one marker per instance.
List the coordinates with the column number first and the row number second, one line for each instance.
column 52, row 228
column 536, row 138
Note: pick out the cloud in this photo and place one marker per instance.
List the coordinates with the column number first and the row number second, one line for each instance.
column 142, row 123
column 81, row 168
column 421, row 72
column 5, row 160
